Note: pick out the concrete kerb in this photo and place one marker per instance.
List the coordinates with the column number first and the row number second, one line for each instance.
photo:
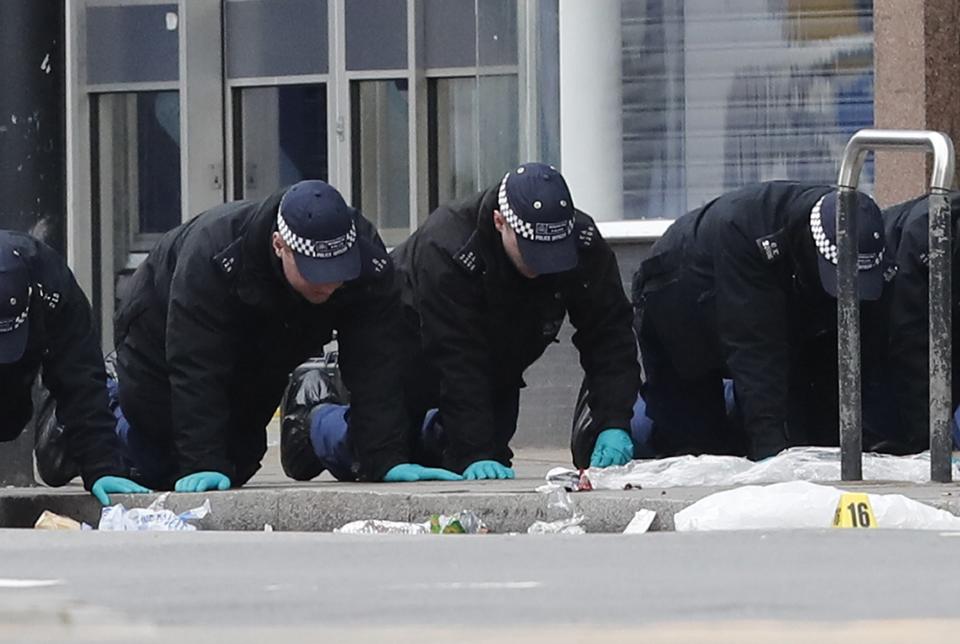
column 322, row 508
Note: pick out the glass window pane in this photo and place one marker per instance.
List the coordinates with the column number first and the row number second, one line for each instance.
column 376, row 34
column 132, row 44
column 451, row 27
column 450, row 33
column 281, row 137
column 381, row 156
column 710, row 104
column 497, row 28
column 276, row 37
column 473, row 139
column 499, row 123
column 138, row 164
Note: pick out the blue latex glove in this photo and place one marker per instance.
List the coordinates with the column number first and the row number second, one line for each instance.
column 203, row 482
column 408, row 472
column 613, row 447
column 487, row 470
column 106, row 485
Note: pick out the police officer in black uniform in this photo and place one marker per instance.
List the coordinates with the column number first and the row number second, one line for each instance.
column 908, row 370
column 224, row 308
column 46, row 326
column 745, row 288
column 486, row 285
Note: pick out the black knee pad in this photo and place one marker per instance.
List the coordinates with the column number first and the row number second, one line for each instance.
column 312, row 383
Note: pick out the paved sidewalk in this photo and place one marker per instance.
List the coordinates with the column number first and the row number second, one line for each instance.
column 323, row 504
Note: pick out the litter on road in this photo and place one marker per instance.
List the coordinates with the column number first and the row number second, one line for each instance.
column 154, row 517
column 562, row 514
column 464, row 522
column 53, row 521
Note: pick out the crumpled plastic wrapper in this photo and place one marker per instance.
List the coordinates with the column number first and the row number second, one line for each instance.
column 795, row 464
column 464, row 522
column 570, row 480
column 562, row 514
column 561, row 526
column 155, row 517
column 377, row 526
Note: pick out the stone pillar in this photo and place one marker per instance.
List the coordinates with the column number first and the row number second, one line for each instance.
column 917, row 62
column 591, row 109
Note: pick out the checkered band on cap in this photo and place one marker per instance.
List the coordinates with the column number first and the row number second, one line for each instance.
column 828, row 250
column 320, row 249
column 541, row 231
column 10, row 325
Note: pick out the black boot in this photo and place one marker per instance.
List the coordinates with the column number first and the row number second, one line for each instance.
column 54, row 465
column 313, row 383
column 582, row 434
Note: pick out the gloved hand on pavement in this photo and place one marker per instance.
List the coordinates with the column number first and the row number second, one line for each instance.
column 409, row 472
column 487, row 470
column 106, row 485
column 613, row 447
column 203, row 482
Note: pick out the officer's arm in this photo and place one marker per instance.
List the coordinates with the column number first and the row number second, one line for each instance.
column 604, row 337
column 201, row 352
column 909, row 334
column 752, row 320
column 371, row 361
column 73, row 371
column 454, row 342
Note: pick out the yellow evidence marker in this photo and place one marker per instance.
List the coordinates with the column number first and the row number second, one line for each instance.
column 854, row 511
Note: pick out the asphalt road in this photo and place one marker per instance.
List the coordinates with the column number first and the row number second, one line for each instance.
column 289, row 587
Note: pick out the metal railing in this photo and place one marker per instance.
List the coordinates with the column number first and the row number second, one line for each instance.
column 848, row 313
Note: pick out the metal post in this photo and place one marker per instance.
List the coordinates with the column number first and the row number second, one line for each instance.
column 941, row 412
column 848, row 339
column 848, row 305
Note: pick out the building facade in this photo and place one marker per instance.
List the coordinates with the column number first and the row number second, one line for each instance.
column 649, row 107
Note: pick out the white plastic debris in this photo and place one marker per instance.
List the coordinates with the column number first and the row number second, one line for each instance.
column 800, row 504
column 570, row 480
column 796, row 464
column 155, row 517
column 463, row 522
column 376, row 526
column 561, row 526
column 640, row 522
column 562, row 514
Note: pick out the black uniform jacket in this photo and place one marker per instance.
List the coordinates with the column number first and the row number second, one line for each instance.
column 745, row 299
column 65, row 343
column 907, row 241
column 210, row 331
column 482, row 323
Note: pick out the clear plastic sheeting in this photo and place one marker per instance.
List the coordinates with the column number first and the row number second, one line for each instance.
column 796, row 464
column 800, row 504
column 155, row 517
column 562, row 514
